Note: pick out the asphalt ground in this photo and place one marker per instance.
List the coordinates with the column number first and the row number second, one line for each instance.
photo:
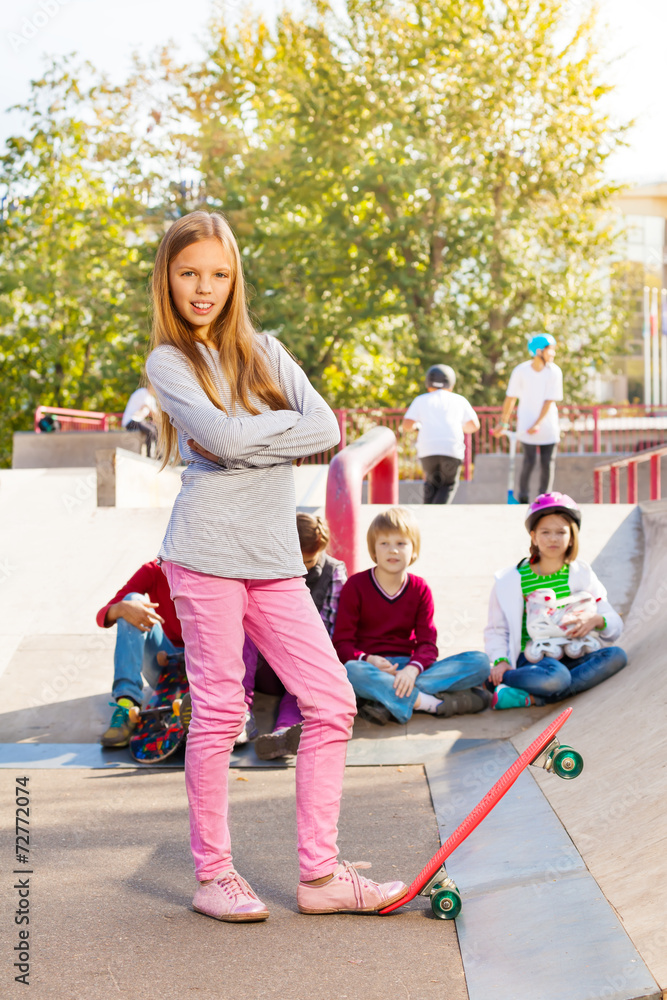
column 113, row 881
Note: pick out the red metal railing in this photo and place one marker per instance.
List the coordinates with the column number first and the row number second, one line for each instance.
column 631, row 463
column 374, row 454
column 77, row 420
column 608, row 430
column 589, row 429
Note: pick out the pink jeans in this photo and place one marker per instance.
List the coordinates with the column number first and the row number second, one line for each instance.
column 281, row 619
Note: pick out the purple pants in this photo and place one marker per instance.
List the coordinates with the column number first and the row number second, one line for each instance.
column 279, row 615
column 263, row 678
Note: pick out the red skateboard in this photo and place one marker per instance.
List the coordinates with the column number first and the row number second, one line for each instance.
column 433, row 880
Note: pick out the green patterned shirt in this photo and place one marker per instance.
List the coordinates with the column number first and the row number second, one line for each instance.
column 530, row 581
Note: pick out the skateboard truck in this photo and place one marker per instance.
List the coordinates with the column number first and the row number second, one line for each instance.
column 444, row 895
column 560, row 760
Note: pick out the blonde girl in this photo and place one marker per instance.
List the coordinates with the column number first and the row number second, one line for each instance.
column 239, row 411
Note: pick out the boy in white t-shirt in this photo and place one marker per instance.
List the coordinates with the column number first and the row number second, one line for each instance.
column 443, row 418
column 537, row 385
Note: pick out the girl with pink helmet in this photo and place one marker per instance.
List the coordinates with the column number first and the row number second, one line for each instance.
column 553, row 523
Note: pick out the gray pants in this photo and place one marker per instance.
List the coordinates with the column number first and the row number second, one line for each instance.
column 441, row 478
column 149, row 431
column 547, row 468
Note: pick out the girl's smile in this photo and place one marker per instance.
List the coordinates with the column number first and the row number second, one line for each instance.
column 200, row 280
column 202, row 308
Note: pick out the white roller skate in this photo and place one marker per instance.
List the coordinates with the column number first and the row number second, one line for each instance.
column 547, row 639
column 537, row 649
column 577, row 606
column 581, row 647
column 548, row 620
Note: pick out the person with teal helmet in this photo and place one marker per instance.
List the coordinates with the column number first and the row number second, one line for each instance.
column 540, row 342
column 536, row 385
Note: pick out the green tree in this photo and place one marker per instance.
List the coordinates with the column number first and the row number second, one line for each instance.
column 546, row 243
column 345, row 201
column 410, row 182
column 417, row 179
column 74, row 260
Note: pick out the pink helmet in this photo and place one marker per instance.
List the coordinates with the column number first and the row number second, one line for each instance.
column 552, row 503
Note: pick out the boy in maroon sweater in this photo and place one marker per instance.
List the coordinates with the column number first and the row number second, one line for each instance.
column 386, row 638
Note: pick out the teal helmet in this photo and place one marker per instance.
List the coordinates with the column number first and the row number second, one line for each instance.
column 539, row 342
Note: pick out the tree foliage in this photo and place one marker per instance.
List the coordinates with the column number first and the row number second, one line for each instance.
column 73, row 272
column 420, row 180
column 410, row 182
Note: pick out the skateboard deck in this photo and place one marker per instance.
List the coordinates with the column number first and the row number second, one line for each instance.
column 433, row 881
column 159, row 732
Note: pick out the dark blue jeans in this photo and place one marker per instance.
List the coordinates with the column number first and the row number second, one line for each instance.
column 553, row 680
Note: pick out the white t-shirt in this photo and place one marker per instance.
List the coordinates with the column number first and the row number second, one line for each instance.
column 441, row 415
column 136, row 406
column 532, row 389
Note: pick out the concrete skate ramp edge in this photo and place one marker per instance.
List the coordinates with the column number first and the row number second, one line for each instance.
column 615, row 811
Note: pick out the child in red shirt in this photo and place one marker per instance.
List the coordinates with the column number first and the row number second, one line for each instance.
column 386, row 638
column 147, row 626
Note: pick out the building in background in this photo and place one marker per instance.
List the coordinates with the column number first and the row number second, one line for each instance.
column 643, row 263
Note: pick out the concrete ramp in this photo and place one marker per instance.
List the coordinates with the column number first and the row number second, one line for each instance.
column 62, row 557
column 616, row 812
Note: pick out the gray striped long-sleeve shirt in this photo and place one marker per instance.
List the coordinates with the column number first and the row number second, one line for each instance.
column 238, row 518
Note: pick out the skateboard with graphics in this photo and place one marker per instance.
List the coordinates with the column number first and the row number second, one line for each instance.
column 433, row 881
column 159, row 729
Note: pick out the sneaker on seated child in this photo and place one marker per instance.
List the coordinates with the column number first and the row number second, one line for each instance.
column 386, row 638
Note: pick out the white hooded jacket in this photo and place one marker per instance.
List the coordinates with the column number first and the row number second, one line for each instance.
column 502, row 635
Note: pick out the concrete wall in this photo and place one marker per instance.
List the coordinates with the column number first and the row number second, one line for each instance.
column 125, row 479
column 615, row 812
column 70, row 450
column 574, row 476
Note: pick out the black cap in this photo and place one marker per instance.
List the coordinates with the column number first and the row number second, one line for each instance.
column 440, row 377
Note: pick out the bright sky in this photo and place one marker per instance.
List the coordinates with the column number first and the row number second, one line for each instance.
column 106, row 33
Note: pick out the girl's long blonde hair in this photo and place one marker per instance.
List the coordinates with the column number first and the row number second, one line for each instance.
column 241, row 356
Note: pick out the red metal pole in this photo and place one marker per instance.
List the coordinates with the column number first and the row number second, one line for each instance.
column 632, row 483
column 38, row 417
column 467, row 461
column 383, row 481
column 655, row 477
column 376, row 449
column 597, row 436
column 614, row 491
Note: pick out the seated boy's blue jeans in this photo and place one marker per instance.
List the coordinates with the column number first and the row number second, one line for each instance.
column 552, row 680
column 454, row 673
column 136, row 654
